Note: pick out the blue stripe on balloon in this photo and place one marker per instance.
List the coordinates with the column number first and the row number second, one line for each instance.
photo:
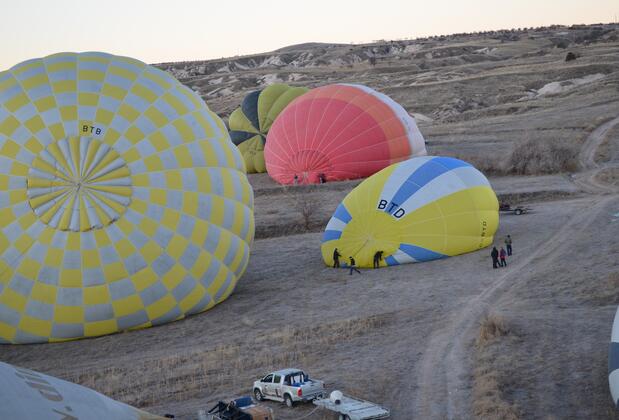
column 391, row 261
column 342, row 213
column 613, row 357
column 427, row 172
column 331, row 235
column 420, row 254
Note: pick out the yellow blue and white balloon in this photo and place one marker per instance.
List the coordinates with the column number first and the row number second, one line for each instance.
column 417, row 210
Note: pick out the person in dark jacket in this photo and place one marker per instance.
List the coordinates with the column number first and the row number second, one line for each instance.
column 322, row 178
column 377, row 258
column 495, row 257
column 336, row 258
column 508, row 244
column 353, row 266
column 503, row 257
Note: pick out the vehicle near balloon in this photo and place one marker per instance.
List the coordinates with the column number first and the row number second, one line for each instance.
column 250, row 123
column 418, row 210
column 288, row 386
column 124, row 202
column 339, row 132
column 509, row 209
column 26, row 394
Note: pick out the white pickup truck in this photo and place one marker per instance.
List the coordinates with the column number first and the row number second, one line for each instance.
column 288, row 386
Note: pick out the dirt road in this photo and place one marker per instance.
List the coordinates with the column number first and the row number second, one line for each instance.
column 446, row 363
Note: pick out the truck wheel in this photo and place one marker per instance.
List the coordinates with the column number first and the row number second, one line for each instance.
column 518, row 212
column 258, row 395
column 344, row 417
column 288, row 400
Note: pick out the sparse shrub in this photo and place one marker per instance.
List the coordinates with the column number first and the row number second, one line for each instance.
column 570, row 56
column 305, row 204
column 533, row 156
column 307, row 207
column 492, row 326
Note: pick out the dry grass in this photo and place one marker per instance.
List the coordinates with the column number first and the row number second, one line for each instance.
column 532, row 156
column 488, row 399
column 529, row 156
column 217, row 370
column 489, row 165
column 604, row 292
column 491, row 327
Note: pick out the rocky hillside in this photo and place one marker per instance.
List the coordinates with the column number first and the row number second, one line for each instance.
column 405, row 68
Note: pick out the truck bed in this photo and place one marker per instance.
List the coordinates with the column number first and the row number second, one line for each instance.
column 355, row 408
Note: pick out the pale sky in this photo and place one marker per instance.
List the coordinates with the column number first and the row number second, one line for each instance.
column 157, row 30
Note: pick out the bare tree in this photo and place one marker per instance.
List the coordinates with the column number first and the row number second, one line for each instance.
column 304, row 203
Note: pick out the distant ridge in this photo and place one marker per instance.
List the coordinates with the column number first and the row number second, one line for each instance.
column 307, row 46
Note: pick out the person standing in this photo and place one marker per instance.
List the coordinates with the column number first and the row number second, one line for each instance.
column 336, row 258
column 353, row 266
column 377, row 258
column 495, row 257
column 508, row 244
column 295, row 180
column 503, row 256
column 322, row 178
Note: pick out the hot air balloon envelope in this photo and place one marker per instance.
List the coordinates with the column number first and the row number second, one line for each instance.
column 124, row 202
column 339, row 132
column 613, row 361
column 250, row 123
column 418, row 210
column 26, row 394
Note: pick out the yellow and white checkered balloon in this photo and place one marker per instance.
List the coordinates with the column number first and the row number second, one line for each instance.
column 123, row 202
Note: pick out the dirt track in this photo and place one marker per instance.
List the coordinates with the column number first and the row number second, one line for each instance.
column 588, row 179
column 446, row 363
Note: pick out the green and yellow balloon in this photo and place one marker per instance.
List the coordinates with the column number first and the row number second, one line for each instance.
column 250, row 123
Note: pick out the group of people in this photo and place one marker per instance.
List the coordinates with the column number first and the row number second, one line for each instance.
column 378, row 256
column 322, row 178
column 499, row 257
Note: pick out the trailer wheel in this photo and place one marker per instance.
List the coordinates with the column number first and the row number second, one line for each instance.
column 344, row 417
column 288, row 400
column 258, row 395
column 518, row 212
